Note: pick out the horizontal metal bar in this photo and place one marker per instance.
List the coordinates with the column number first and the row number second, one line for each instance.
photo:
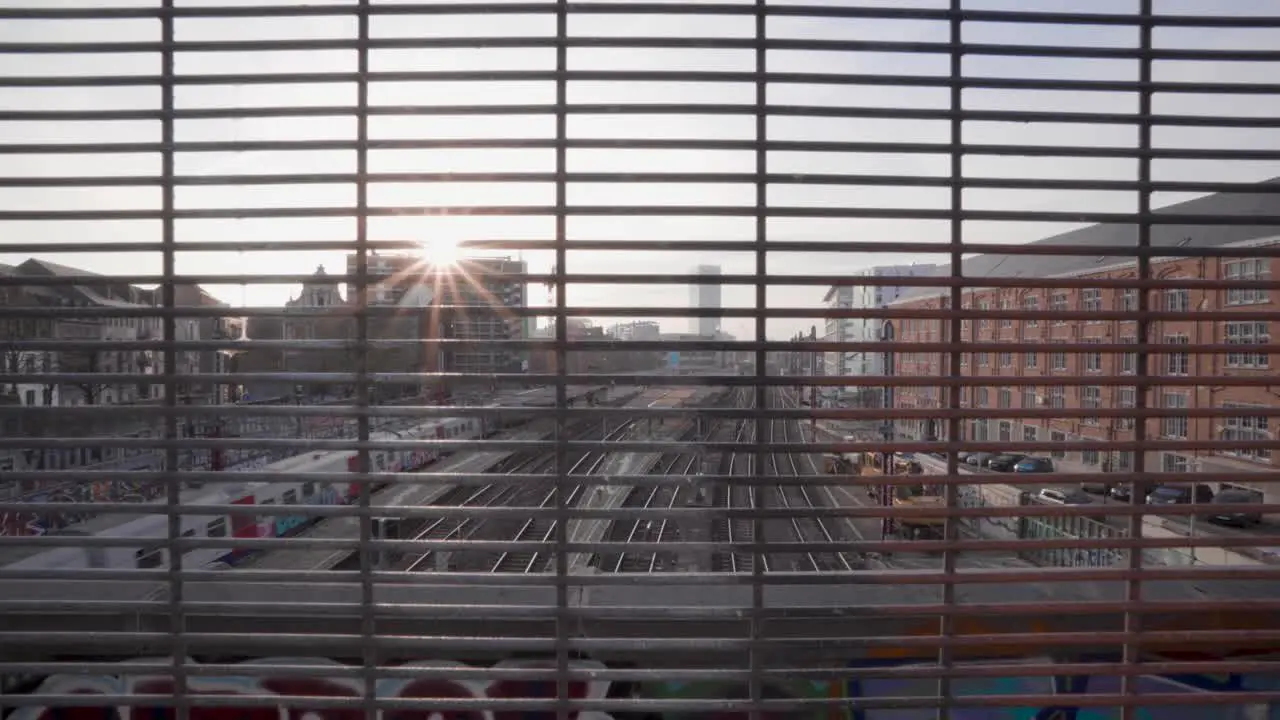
column 648, row 312
column 665, row 76
column 992, row 668
column 726, row 245
column 649, row 109
column 1008, row 149
column 619, row 414
column 633, row 446
column 675, row 9
column 901, row 381
column 837, row 179
column 773, row 279
column 725, row 346
column 393, row 481
column 1117, row 543
column 709, row 211
column 1013, row 49
column 869, row 576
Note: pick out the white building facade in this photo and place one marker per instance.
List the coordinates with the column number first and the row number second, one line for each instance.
column 855, row 296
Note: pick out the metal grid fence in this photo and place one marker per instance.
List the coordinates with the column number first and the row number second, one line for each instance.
column 943, row 232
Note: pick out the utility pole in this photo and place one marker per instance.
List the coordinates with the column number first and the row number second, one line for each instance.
column 887, row 428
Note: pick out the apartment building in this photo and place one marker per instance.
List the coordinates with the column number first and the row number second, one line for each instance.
column 90, row 290
column 854, row 296
column 639, row 330
column 1047, row 364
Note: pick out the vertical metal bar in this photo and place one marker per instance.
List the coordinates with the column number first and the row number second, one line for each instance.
column 1133, row 586
column 368, row 625
column 755, row 681
column 169, row 323
column 949, row 526
column 561, row 355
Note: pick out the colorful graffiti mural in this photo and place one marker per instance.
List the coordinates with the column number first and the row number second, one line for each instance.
column 849, row 690
column 289, row 687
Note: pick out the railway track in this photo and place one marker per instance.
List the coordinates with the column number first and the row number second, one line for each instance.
column 665, row 496
column 497, row 494
column 450, row 528
column 803, row 526
column 734, row 495
column 542, row 529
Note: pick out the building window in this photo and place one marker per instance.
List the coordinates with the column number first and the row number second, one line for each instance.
column 1058, row 360
column 1057, row 397
column 984, row 306
column 1089, row 457
column 1177, row 363
column 1091, row 300
column 1247, row 333
column 1005, row 398
column 1057, row 439
column 1090, row 399
column 1006, row 359
column 1129, row 300
column 982, row 359
column 1030, row 433
column 1032, row 360
column 1246, row 428
column 1058, row 303
column 1171, row 463
column 982, row 397
column 1174, row 426
column 1126, row 400
column 1006, row 431
column 1128, row 361
column 1005, row 321
column 1093, row 360
column 1255, row 269
column 1031, row 303
column 1028, row 396
column 1177, row 300
column 1124, row 461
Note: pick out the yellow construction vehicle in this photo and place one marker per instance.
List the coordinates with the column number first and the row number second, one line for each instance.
column 915, row 495
column 923, row 527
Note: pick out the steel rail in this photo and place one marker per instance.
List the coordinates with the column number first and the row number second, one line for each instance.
column 662, row 495
column 526, row 560
column 742, row 529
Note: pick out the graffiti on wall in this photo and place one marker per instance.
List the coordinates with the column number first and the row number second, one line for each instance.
column 1067, row 688
column 852, row 689
column 289, row 687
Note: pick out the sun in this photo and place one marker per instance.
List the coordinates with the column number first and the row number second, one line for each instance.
column 441, row 250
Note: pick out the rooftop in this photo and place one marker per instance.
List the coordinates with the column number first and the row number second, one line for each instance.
column 1104, row 236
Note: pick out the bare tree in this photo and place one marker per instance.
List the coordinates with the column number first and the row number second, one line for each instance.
column 88, row 362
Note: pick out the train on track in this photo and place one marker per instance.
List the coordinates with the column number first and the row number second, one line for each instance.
column 149, row 533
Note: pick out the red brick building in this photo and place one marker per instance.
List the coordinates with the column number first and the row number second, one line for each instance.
column 1046, row 363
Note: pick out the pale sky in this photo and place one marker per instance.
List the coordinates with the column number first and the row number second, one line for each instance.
column 421, row 222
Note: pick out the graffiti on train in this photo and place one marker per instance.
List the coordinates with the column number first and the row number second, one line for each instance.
column 849, row 698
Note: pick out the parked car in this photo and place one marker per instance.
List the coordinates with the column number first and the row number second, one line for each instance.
column 1180, row 495
column 1099, row 487
column 1004, row 463
column 1122, row 492
column 1063, row 497
column 1237, row 518
column 978, row 459
column 1034, row 465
